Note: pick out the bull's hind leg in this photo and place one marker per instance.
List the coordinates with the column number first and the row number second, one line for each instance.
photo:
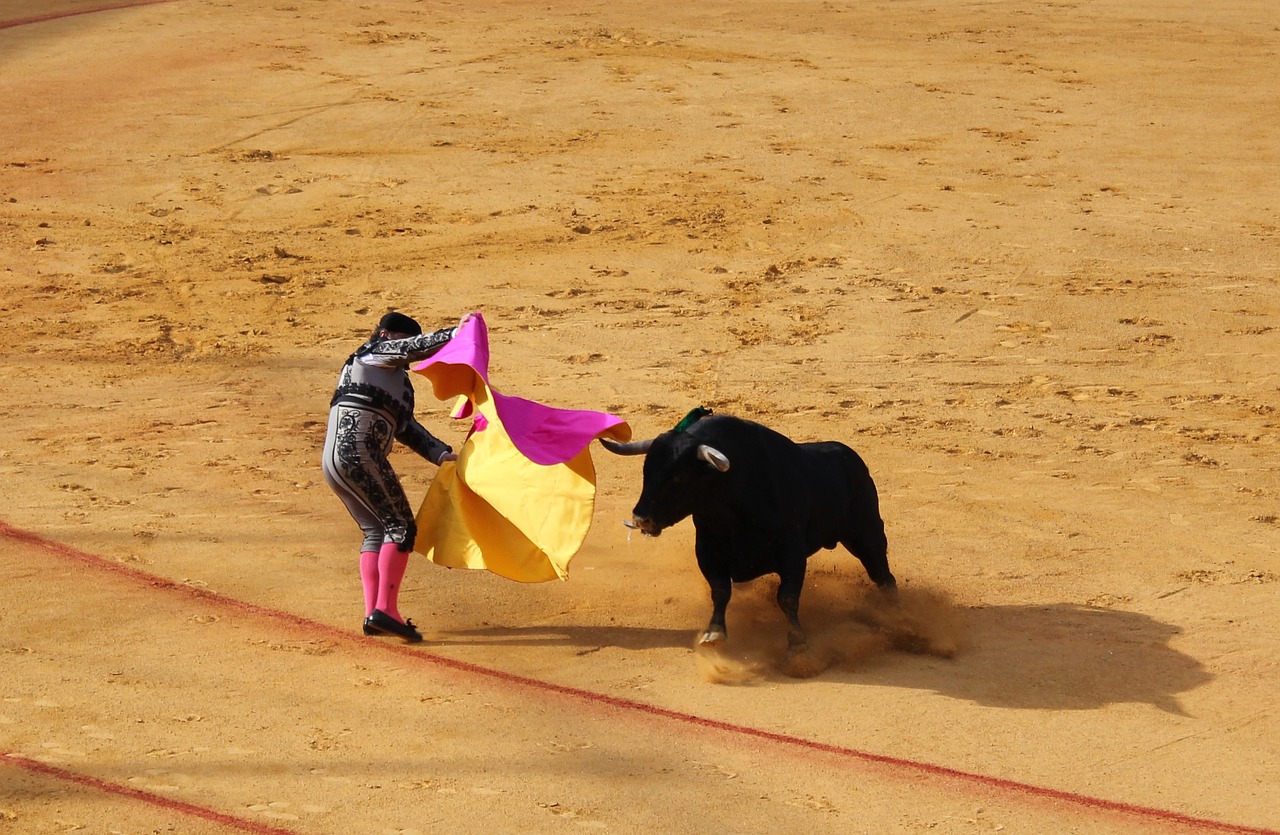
column 869, row 544
column 789, row 603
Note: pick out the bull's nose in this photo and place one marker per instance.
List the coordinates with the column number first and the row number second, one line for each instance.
column 645, row 524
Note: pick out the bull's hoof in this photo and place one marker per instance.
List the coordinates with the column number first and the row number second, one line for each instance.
column 802, row 662
column 797, row 641
column 712, row 638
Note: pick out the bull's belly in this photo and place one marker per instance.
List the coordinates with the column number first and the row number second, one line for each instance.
column 744, row 567
column 749, row 558
column 738, row 567
column 740, row 574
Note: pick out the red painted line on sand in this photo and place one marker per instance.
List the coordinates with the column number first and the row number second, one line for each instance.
column 629, row 705
column 165, row 803
column 42, row 18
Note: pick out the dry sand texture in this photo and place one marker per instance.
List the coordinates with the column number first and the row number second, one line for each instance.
column 1023, row 256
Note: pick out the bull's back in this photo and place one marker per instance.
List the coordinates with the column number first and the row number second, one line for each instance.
column 777, row 485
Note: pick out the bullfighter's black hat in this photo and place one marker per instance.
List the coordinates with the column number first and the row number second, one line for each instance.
column 399, row 323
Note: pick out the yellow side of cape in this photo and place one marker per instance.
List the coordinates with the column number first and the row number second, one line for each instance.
column 497, row 510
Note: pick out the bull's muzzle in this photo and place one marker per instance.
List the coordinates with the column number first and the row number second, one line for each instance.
column 644, row 524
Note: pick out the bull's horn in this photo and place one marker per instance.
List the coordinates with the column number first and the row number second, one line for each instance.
column 628, row 447
column 714, row 457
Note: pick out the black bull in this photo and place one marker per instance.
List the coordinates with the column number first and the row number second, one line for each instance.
column 761, row 504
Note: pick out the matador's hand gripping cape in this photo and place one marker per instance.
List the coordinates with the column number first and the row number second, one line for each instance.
column 518, row 501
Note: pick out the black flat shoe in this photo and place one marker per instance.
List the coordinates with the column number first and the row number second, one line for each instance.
column 382, row 622
column 370, row 629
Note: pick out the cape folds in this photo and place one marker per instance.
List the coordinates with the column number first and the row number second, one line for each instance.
column 518, row 501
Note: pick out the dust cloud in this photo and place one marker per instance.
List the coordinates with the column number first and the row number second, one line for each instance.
column 848, row 628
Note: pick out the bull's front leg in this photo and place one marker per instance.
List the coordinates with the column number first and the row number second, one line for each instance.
column 714, row 567
column 721, row 591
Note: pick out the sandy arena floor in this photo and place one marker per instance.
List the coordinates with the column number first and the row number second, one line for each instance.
column 1023, row 256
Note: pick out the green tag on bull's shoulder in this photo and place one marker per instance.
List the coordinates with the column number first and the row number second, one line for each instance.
column 690, row 419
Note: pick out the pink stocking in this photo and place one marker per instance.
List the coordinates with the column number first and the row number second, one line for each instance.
column 391, row 566
column 369, row 579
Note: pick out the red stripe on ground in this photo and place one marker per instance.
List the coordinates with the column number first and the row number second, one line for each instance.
column 136, row 794
column 745, row 731
column 24, row 21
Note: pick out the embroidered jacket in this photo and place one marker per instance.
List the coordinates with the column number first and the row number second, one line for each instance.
column 376, row 377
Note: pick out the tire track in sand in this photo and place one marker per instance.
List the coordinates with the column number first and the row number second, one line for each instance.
column 48, row 16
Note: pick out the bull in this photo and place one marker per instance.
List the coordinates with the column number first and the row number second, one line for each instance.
column 761, row 504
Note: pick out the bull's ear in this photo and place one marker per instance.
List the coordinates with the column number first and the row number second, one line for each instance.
column 714, row 457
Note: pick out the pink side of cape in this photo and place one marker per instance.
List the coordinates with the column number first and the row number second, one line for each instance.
column 543, row 434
